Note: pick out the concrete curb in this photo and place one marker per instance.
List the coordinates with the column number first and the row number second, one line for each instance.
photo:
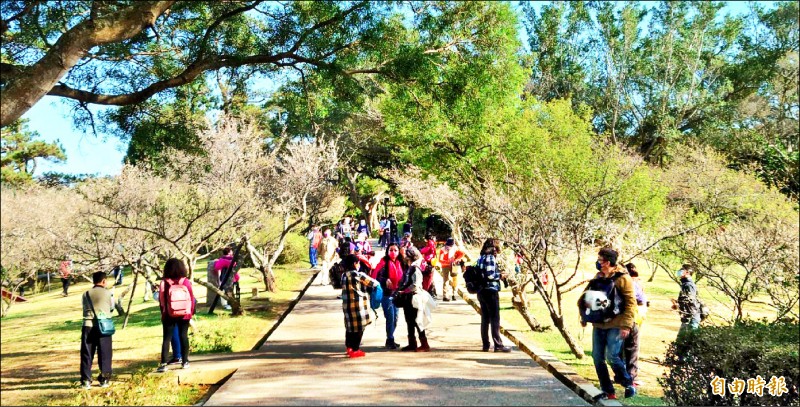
column 563, row 372
column 285, row 314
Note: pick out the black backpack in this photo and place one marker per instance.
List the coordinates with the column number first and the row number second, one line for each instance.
column 601, row 301
column 474, row 279
column 335, row 275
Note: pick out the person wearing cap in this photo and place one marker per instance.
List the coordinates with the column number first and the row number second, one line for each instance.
column 451, row 258
column 688, row 305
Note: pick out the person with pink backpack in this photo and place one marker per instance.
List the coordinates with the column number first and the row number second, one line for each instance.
column 177, row 303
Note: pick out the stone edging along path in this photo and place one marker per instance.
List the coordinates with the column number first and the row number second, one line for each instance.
column 217, row 375
column 563, row 372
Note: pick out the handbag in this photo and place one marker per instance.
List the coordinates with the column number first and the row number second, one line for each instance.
column 401, row 300
column 104, row 325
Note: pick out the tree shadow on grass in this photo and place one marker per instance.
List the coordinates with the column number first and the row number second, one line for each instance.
column 144, row 318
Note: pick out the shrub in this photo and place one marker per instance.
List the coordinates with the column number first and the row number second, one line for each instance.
column 210, row 340
column 294, row 250
column 741, row 351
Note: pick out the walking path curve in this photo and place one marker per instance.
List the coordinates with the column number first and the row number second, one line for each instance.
column 303, row 363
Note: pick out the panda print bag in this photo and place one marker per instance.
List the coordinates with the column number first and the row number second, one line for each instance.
column 601, row 301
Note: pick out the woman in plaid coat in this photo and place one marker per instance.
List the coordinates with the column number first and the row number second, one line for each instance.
column 355, row 304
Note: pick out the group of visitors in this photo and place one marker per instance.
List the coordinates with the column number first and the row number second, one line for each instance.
column 177, row 304
column 402, row 281
column 614, row 301
column 616, row 332
column 400, row 278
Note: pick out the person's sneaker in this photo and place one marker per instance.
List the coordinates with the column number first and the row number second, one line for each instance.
column 486, row 349
column 638, row 383
column 445, row 299
column 454, row 298
column 505, row 349
column 185, row 365
column 357, row 354
column 162, row 368
column 349, row 351
column 604, row 396
column 175, row 361
column 227, row 308
column 86, row 385
column 390, row 344
column 105, row 384
column 630, row 391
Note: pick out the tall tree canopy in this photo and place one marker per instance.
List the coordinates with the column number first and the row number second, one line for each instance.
column 19, row 150
column 123, row 53
column 659, row 74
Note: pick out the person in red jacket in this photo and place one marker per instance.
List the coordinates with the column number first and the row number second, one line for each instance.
column 222, row 264
column 389, row 272
column 175, row 274
column 428, row 253
column 452, row 260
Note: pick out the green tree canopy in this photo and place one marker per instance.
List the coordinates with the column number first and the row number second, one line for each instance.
column 20, row 150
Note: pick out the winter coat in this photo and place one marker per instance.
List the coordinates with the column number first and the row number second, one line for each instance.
column 445, row 258
column 395, row 271
column 688, row 304
column 355, row 300
column 327, row 248
column 625, row 288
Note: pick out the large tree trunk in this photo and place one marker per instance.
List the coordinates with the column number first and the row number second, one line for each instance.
column 520, row 302
column 558, row 321
column 236, row 306
column 574, row 346
column 28, row 85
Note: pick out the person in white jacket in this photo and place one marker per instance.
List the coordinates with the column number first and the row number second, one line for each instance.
column 327, row 251
column 410, row 287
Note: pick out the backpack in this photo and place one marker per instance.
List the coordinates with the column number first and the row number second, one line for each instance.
column 474, row 279
column 601, row 301
column 178, row 299
column 335, row 274
column 376, row 297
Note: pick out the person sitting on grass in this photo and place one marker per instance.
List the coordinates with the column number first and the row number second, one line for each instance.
column 355, row 304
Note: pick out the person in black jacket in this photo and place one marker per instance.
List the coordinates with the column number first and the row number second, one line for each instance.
column 688, row 305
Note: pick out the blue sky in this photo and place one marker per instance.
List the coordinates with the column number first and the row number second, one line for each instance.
column 102, row 155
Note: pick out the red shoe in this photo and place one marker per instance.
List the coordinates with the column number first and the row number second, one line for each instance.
column 612, row 396
column 349, row 351
column 357, row 354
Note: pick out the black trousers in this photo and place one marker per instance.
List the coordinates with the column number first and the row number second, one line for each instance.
column 92, row 342
column 490, row 315
column 65, row 284
column 352, row 340
column 630, row 352
column 410, row 315
column 168, row 325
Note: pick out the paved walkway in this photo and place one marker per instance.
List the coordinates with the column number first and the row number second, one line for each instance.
column 304, row 363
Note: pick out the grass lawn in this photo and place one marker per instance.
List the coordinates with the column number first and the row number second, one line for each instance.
column 658, row 330
column 41, row 340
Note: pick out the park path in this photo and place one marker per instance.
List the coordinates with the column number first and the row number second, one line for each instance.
column 303, row 363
